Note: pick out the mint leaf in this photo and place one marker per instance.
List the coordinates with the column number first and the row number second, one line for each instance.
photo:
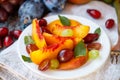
column 64, row 20
column 28, row 40
column 98, row 31
column 26, row 59
column 80, row 49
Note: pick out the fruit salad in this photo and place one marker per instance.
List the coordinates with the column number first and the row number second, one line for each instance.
column 62, row 44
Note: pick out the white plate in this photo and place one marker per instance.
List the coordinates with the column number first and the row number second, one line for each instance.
column 88, row 68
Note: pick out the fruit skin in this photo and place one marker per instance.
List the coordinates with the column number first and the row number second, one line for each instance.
column 37, row 35
column 8, row 7
column 78, row 1
column 31, row 47
column 7, row 41
column 16, row 33
column 58, row 25
column 108, row 1
column 91, row 37
column 51, row 38
column 55, row 5
column 54, row 64
column 65, row 55
column 50, row 52
column 79, row 30
column 3, row 15
column 43, row 22
column 3, row 31
column 93, row 54
column 67, row 33
column 1, row 44
column 116, row 4
column 109, row 23
column 44, row 65
column 15, row 2
column 95, row 45
column 74, row 63
column 94, row 13
column 30, row 9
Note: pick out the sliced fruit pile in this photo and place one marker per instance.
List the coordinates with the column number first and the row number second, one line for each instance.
column 62, row 44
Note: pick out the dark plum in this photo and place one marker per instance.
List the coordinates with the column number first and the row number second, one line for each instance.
column 55, row 5
column 30, row 9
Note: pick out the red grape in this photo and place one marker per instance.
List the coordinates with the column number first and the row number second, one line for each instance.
column 42, row 22
column 95, row 46
column 1, row 45
column 31, row 48
column 65, row 55
column 45, row 30
column 91, row 37
column 15, row 33
column 44, row 65
column 109, row 23
column 7, row 41
column 3, row 31
column 94, row 13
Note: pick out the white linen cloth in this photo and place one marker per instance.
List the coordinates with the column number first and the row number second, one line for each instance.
column 18, row 71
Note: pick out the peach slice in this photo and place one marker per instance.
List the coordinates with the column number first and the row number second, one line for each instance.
column 51, row 51
column 79, row 30
column 37, row 35
column 73, row 23
column 56, row 26
column 51, row 38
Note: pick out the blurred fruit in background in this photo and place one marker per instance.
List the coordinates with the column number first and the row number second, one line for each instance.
column 8, row 7
column 55, row 5
column 108, row 1
column 7, row 37
column 29, row 10
column 78, row 1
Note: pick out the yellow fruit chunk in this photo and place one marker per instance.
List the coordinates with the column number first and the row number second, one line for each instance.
column 37, row 35
column 56, row 26
column 51, row 38
column 50, row 52
column 72, row 22
column 80, row 31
